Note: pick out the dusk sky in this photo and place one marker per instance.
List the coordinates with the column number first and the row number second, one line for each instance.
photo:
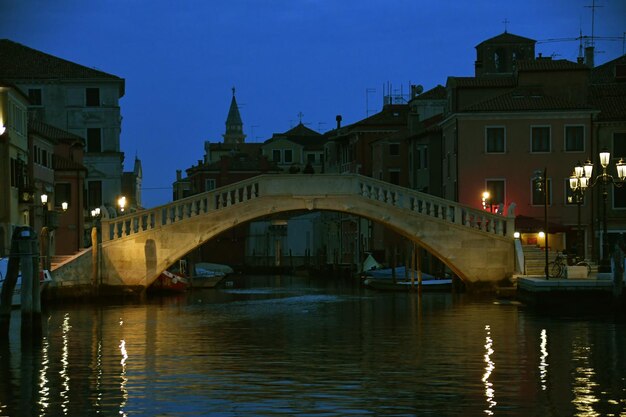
column 320, row 58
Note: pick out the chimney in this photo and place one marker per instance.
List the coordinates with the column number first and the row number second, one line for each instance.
column 338, row 119
column 589, row 51
column 179, row 175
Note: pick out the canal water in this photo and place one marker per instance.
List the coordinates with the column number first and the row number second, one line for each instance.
column 315, row 347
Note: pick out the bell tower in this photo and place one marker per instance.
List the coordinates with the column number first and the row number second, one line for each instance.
column 234, row 125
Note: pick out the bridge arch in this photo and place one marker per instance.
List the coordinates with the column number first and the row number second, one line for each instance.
column 476, row 245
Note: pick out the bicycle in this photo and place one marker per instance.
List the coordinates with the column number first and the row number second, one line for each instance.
column 558, row 267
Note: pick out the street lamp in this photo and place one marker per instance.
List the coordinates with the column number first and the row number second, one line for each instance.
column 604, row 179
column 541, row 185
column 64, row 206
column 121, row 202
column 579, row 183
column 486, row 200
column 44, row 203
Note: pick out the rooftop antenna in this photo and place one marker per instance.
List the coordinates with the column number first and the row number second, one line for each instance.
column 319, row 126
column 593, row 20
column 300, row 114
column 368, row 91
column 506, row 22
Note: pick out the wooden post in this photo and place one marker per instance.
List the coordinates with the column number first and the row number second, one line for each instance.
column 94, row 257
column 8, row 286
column 413, row 267
column 419, row 269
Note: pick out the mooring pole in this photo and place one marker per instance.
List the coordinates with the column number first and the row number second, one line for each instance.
column 8, row 286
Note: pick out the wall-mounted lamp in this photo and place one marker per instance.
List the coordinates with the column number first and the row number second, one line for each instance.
column 44, row 199
column 64, row 206
column 516, row 235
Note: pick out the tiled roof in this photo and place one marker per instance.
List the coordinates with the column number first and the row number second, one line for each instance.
column 605, row 73
column 52, row 132
column 302, row 135
column 523, row 100
column 436, row 93
column 507, row 38
column 611, row 107
column 482, row 82
column 19, row 62
column 60, row 163
column 548, row 64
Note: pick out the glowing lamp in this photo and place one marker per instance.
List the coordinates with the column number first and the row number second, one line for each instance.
column 64, row 205
column 605, row 157
column 621, row 169
column 516, row 235
column 44, row 199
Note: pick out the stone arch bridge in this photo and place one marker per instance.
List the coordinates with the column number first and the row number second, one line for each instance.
column 478, row 246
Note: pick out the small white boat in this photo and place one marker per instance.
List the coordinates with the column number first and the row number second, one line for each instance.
column 206, row 277
column 16, row 299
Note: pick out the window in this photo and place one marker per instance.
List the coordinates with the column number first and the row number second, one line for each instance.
column 62, row 193
column 94, row 194
column 496, row 192
column 394, row 177
column 540, row 138
column 209, row 184
column 276, row 155
column 538, row 197
column 494, row 139
column 619, row 145
column 394, row 149
column 36, row 157
column 92, row 97
column 574, row 138
column 418, row 159
column 94, row 140
column 425, row 156
column 288, row 156
column 34, row 96
column 310, row 158
column 44, row 158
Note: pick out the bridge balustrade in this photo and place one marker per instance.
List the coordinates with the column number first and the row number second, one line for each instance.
column 432, row 206
column 180, row 210
column 369, row 188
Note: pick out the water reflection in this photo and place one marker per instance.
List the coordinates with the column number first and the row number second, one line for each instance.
column 583, row 385
column 543, row 359
column 44, row 389
column 123, row 377
column 296, row 346
column 489, row 367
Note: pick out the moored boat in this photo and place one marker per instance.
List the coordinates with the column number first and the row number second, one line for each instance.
column 169, row 282
column 206, row 278
column 434, row 284
column 45, row 278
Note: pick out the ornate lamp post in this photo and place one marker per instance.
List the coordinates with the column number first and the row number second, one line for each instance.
column 121, row 202
column 541, row 185
column 579, row 183
column 486, row 200
column 44, row 204
column 604, row 179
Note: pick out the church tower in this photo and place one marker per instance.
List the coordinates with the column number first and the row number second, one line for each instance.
column 234, row 125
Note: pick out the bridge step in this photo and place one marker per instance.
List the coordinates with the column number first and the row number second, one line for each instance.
column 535, row 260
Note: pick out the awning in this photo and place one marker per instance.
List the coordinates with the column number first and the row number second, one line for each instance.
column 525, row 224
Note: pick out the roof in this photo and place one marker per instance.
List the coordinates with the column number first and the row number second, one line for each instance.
column 302, row 135
column 54, row 133
column 524, row 99
column 526, row 224
column 19, row 62
column 605, row 73
column 610, row 99
column 233, row 118
column 436, row 93
column 60, row 163
column 482, row 82
column 548, row 64
column 507, row 37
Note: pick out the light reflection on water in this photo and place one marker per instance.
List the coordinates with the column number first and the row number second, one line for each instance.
column 297, row 346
